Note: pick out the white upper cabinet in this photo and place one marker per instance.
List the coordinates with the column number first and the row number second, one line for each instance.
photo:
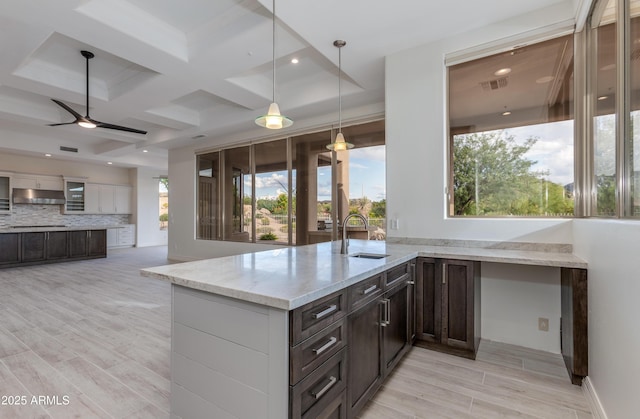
column 107, row 199
column 23, row 181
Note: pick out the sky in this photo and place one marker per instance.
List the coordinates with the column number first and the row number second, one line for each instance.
column 553, row 151
column 366, row 176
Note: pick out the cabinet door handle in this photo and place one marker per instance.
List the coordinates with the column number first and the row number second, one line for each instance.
column 370, row 290
column 444, row 273
column 385, row 321
column 325, row 312
column 320, row 393
column 411, row 282
column 326, row 346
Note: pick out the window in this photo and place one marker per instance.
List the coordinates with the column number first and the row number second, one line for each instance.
column 616, row 116
column 293, row 190
column 163, row 202
column 511, row 132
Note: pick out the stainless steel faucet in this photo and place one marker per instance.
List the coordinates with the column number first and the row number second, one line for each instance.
column 344, row 249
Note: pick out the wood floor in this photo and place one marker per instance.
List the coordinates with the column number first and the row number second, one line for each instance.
column 91, row 339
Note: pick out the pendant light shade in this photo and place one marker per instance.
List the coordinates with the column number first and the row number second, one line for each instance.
column 339, row 144
column 273, row 119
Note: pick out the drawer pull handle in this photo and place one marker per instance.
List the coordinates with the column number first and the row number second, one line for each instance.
column 326, row 346
column 325, row 312
column 370, row 290
column 385, row 321
column 320, row 393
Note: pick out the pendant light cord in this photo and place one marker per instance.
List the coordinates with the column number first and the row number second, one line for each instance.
column 340, row 89
column 273, row 49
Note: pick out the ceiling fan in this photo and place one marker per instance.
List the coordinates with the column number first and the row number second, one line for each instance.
column 86, row 121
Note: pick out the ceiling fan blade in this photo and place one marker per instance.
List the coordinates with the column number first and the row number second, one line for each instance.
column 118, row 127
column 64, row 123
column 68, row 109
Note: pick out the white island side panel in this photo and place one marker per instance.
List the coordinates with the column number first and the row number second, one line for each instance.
column 227, row 356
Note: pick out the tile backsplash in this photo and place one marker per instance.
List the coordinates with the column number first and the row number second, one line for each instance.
column 29, row 214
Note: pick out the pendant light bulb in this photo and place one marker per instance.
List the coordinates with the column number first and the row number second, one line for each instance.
column 339, row 144
column 273, row 119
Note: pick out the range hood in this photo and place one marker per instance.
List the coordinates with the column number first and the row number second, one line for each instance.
column 38, row 196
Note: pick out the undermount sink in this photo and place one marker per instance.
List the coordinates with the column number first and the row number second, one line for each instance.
column 369, row 255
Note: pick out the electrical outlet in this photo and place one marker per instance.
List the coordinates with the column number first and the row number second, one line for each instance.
column 543, row 324
column 395, row 224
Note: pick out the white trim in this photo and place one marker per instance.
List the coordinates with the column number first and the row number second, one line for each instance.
column 582, row 13
column 597, row 410
column 544, row 33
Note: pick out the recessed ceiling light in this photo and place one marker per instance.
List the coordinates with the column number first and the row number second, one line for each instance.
column 294, row 61
column 506, row 113
column 145, row 151
column 502, row 72
column 608, row 67
column 47, row 155
column 603, row 97
column 109, row 162
column 545, row 79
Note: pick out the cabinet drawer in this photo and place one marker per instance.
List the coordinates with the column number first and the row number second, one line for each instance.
column 396, row 275
column 308, row 355
column 364, row 291
column 315, row 316
column 315, row 393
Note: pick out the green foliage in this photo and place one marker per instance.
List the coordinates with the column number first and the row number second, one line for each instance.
column 265, row 221
column 164, row 217
column 378, row 209
column 492, row 176
column 268, row 236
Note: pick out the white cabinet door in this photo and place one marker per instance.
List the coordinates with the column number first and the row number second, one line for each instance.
column 52, row 183
column 108, row 199
column 92, row 198
column 123, row 199
column 24, row 182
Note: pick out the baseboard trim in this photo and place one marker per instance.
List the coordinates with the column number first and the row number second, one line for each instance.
column 592, row 398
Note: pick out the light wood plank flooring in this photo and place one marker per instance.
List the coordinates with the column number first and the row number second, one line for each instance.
column 99, row 334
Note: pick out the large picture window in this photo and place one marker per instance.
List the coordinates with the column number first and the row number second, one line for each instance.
column 293, row 191
column 511, row 132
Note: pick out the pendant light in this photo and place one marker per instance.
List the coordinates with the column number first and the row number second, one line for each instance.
column 339, row 144
column 273, row 119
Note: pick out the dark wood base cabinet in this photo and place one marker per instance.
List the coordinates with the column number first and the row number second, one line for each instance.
column 344, row 345
column 574, row 343
column 37, row 247
column 448, row 301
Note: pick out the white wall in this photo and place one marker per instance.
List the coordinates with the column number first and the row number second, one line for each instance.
column 147, row 212
column 612, row 249
column 513, row 297
column 94, row 173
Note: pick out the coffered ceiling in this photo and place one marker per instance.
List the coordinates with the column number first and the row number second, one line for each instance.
column 202, row 69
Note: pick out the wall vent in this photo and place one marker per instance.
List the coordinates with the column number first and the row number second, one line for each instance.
column 494, row 84
column 69, row 149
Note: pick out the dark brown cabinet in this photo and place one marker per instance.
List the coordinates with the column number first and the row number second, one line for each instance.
column 97, row 243
column 574, row 330
column 448, row 305
column 78, row 243
column 57, row 245
column 365, row 350
column 380, row 333
column 342, row 346
column 9, row 248
column 35, row 247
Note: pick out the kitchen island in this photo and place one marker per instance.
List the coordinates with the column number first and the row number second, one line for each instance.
column 238, row 323
column 31, row 245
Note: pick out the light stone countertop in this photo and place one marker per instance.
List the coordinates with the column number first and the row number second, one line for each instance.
column 288, row 278
column 33, row 229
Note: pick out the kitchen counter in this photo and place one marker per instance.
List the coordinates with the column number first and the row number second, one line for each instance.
column 288, row 278
column 32, row 229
